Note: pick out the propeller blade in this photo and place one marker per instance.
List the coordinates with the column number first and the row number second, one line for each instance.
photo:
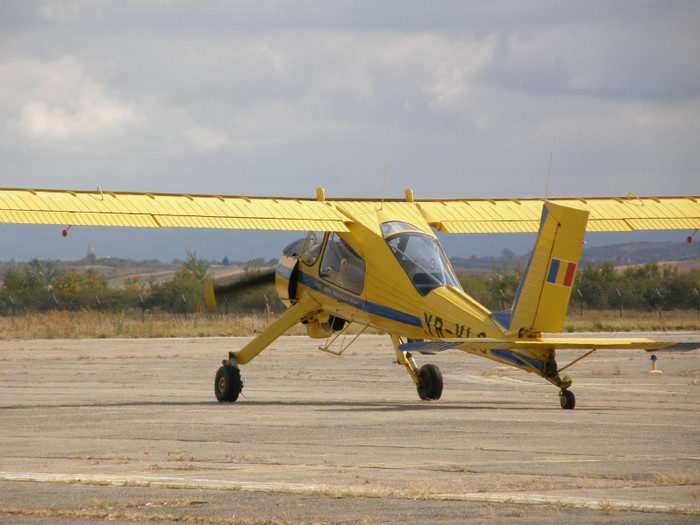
column 225, row 288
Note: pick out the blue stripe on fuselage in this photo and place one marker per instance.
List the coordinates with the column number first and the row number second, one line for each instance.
column 346, row 298
column 284, row 272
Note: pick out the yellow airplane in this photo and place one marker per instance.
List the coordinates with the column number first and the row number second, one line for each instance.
column 377, row 263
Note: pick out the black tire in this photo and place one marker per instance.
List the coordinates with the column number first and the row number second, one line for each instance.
column 567, row 400
column 429, row 383
column 227, row 384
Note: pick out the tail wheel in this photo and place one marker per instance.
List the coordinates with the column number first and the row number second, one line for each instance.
column 429, row 383
column 228, row 384
column 567, row 399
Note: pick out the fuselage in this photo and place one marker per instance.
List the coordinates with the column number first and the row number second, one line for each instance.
column 387, row 273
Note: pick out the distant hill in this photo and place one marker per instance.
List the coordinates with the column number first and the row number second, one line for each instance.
column 681, row 255
column 619, row 254
column 642, row 252
column 477, row 265
column 117, row 270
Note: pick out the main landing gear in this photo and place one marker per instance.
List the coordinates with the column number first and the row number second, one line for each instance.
column 228, row 383
column 428, row 378
column 429, row 383
column 551, row 374
column 566, row 396
column 567, row 399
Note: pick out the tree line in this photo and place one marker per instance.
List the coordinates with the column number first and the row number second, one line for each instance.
column 39, row 286
column 600, row 286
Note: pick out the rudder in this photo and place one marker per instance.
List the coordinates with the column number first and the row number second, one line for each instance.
column 543, row 296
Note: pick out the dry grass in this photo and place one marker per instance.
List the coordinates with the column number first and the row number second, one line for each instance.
column 610, row 321
column 101, row 512
column 676, row 479
column 183, row 502
column 95, row 325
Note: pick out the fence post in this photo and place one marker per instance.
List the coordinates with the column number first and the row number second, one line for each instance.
column 619, row 295
column 581, row 297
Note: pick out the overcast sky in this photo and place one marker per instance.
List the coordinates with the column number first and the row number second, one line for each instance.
column 459, row 99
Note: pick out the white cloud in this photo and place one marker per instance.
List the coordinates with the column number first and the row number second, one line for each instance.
column 56, row 104
column 456, row 66
column 204, row 140
column 62, row 11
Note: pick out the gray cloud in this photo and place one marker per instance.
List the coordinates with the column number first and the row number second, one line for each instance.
column 264, row 98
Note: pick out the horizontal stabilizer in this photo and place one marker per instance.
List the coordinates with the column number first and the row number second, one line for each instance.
column 537, row 355
column 676, row 347
column 477, row 344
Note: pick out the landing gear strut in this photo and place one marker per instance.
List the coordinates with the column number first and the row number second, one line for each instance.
column 566, row 397
column 428, row 378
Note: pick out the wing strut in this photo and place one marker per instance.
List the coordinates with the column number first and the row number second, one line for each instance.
column 577, row 360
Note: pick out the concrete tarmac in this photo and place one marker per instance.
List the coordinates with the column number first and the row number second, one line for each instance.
column 130, row 431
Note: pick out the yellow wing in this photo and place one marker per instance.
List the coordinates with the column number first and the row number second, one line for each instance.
column 73, row 208
column 523, row 216
column 81, row 208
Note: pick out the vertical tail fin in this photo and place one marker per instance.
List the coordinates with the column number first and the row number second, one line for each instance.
column 543, row 296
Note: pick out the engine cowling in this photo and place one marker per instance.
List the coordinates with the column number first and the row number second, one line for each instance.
column 286, row 273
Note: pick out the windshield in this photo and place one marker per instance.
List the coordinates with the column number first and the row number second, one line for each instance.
column 422, row 259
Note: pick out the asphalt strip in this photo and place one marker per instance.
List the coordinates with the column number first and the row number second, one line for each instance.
column 515, row 498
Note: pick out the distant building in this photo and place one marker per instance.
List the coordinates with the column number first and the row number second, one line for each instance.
column 91, row 253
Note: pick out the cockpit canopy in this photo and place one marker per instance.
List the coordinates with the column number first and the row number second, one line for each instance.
column 420, row 256
column 340, row 264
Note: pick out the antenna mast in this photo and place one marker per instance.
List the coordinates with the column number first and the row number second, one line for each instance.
column 549, row 173
column 386, row 168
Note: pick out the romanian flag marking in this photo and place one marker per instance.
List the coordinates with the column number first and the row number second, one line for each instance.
column 561, row 273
